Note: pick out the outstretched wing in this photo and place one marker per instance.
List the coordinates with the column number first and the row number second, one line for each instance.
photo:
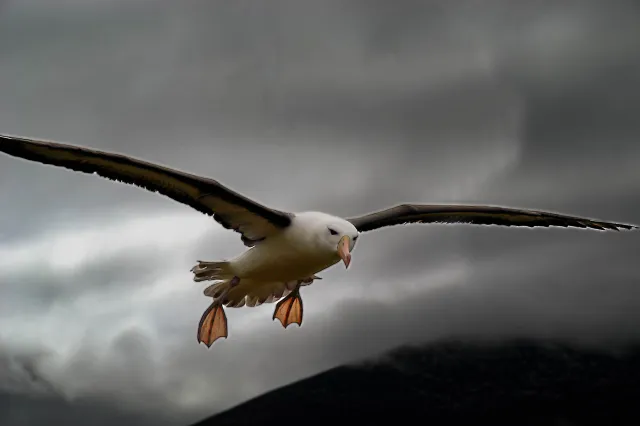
column 234, row 211
column 478, row 215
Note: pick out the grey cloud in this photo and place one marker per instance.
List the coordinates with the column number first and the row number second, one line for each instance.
column 19, row 371
column 28, row 409
column 369, row 105
column 28, row 396
column 43, row 286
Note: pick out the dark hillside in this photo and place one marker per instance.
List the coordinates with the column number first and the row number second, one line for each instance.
column 518, row 383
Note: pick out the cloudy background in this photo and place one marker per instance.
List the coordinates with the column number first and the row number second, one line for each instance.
column 340, row 106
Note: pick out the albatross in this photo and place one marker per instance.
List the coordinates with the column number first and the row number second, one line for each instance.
column 285, row 250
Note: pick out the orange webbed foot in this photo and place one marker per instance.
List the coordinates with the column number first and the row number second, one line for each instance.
column 289, row 310
column 213, row 324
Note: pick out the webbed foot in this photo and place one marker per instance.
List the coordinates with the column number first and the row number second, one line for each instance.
column 213, row 324
column 289, row 310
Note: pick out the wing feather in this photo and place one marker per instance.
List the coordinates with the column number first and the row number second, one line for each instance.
column 232, row 210
column 477, row 215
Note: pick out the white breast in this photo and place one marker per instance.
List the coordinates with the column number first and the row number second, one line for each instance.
column 292, row 254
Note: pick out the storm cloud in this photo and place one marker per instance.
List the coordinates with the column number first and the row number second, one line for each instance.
column 338, row 106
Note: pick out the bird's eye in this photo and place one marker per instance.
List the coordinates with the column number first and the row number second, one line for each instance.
column 355, row 238
column 333, row 231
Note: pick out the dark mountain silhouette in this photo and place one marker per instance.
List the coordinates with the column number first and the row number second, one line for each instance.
column 515, row 383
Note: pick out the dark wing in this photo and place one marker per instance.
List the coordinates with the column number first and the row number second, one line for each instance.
column 478, row 215
column 253, row 221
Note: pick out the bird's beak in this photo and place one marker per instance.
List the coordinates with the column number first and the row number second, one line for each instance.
column 343, row 250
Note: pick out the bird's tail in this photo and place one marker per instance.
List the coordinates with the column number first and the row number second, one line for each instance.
column 212, row 271
column 253, row 293
column 248, row 292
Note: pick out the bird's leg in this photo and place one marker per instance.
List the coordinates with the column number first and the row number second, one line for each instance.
column 289, row 310
column 213, row 324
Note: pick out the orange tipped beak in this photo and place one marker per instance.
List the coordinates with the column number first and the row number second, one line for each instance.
column 343, row 250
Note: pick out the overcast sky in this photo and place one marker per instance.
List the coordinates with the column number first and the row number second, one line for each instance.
column 339, row 106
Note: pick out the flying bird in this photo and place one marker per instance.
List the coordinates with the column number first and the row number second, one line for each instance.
column 285, row 250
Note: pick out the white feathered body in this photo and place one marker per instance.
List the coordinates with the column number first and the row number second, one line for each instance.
column 272, row 269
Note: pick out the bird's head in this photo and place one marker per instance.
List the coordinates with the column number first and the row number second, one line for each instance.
column 341, row 237
column 332, row 235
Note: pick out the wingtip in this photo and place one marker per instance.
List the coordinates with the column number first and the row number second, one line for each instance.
column 626, row 227
column 608, row 226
